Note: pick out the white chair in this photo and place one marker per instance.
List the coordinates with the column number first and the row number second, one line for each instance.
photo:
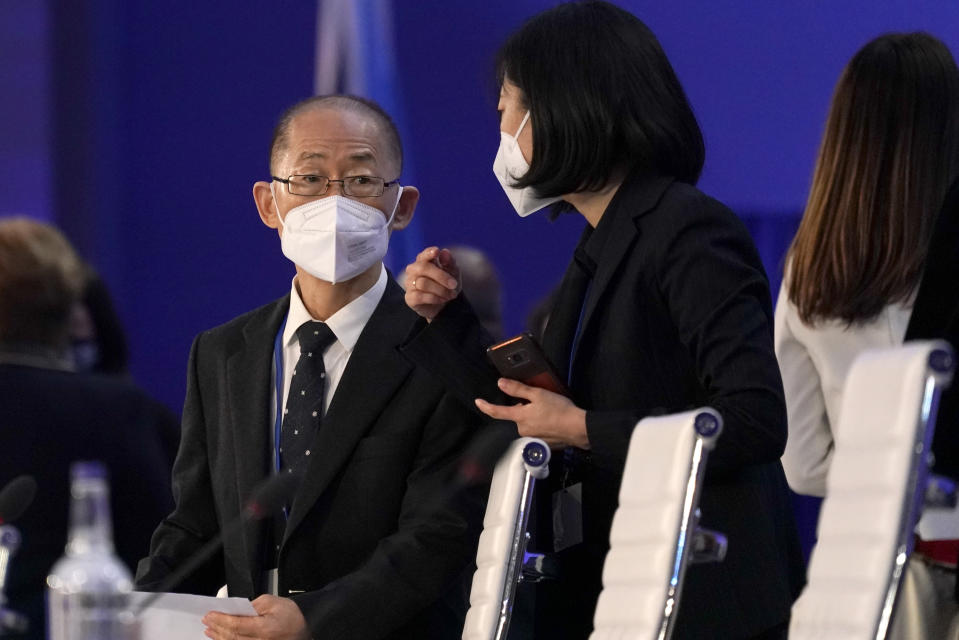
column 875, row 489
column 655, row 530
column 502, row 545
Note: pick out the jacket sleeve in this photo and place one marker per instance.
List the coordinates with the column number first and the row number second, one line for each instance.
column 426, row 558
column 717, row 292
column 452, row 348
column 809, row 448
column 193, row 521
column 712, row 284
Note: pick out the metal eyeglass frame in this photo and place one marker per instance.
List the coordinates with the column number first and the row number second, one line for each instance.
column 344, row 182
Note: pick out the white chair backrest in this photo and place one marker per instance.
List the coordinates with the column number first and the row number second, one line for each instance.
column 499, row 557
column 873, row 492
column 653, row 527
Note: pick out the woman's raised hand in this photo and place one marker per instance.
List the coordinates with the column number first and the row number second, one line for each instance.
column 432, row 280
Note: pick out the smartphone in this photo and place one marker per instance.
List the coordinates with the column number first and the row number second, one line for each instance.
column 521, row 358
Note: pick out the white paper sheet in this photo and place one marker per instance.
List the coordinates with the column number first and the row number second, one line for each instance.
column 177, row 616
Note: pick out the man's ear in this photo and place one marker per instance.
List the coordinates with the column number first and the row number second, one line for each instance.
column 405, row 208
column 265, row 205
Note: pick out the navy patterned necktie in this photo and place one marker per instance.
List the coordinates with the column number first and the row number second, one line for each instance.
column 304, row 404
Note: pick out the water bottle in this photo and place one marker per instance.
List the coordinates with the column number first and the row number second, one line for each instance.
column 88, row 590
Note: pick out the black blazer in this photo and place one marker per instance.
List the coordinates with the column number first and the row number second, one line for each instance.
column 49, row 419
column 675, row 313
column 371, row 548
column 935, row 314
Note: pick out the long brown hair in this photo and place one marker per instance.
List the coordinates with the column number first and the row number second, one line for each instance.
column 889, row 152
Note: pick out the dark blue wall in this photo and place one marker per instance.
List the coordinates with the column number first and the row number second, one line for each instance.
column 160, row 115
column 25, row 52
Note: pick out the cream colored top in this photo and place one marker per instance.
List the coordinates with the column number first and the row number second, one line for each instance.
column 814, row 361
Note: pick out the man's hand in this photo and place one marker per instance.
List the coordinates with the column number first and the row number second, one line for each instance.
column 546, row 415
column 278, row 619
column 432, row 280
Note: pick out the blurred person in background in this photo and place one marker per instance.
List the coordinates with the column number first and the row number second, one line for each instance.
column 935, row 314
column 97, row 338
column 889, row 153
column 481, row 286
column 51, row 415
column 98, row 344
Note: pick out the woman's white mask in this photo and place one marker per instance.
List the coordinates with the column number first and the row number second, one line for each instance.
column 335, row 238
column 509, row 166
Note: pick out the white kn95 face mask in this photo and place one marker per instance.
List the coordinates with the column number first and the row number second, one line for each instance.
column 510, row 165
column 335, row 238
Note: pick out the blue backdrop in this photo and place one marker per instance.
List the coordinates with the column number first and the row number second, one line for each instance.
column 140, row 128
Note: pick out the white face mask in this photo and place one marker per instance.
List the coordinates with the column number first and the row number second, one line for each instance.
column 335, row 238
column 509, row 166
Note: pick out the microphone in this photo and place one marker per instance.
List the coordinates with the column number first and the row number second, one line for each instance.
column 483, row 453
column 269, row 497
column 15, row 497
column 10, row 620
column 475, row 466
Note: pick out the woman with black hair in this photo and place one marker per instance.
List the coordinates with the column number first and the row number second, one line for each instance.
column 664, row 307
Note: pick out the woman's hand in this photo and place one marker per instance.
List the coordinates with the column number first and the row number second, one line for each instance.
column 545, row 415
column 432, row 280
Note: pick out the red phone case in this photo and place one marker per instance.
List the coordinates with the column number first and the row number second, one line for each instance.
column 521, row 358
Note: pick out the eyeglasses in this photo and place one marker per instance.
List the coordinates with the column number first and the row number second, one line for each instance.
column 356, row 186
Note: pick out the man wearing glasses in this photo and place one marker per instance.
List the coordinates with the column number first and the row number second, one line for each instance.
column 313, row 384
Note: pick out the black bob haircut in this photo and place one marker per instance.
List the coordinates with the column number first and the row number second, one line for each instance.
column 603, row 100
column 343, row 102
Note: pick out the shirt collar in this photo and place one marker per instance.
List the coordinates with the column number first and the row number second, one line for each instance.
column 346, row 324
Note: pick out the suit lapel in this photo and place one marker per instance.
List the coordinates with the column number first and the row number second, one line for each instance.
column 564, row 315
column 373, row 374
column 636, row 197
column 248, row 381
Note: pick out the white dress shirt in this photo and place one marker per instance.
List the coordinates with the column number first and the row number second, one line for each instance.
column 346, row 324
column 814, row 362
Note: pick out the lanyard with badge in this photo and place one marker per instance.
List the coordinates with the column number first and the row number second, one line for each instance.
column 272, row 575
column 278, row 421
column 567, row 501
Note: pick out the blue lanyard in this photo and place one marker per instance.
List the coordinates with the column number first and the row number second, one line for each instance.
column 278, row 422
column 576, row 336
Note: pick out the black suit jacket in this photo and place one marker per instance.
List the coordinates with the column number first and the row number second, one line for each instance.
column 49, row 419
column 674, row 312
column 372, row 549
column 935, row 314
